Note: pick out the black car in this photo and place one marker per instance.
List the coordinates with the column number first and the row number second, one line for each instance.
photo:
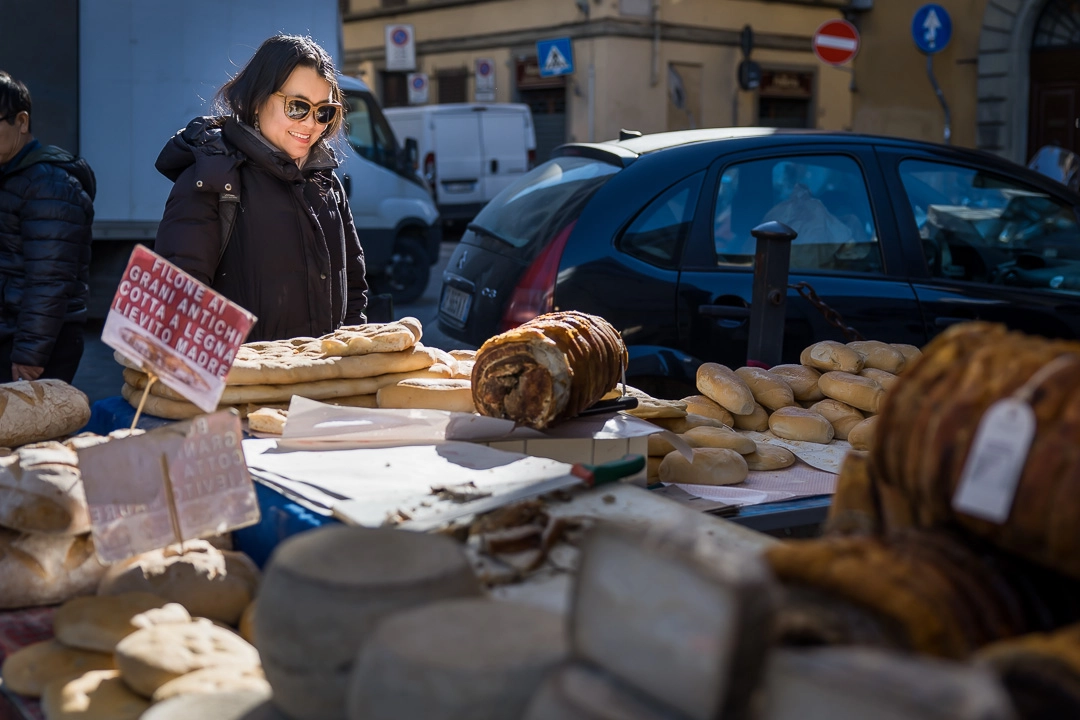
column 901, row 238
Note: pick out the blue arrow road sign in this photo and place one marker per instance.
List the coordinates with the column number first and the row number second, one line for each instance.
column 556, row 57
column 932, row 28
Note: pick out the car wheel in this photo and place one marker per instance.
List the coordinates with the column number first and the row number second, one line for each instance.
column 406, row 275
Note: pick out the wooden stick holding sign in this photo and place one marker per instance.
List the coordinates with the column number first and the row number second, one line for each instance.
column 151, row 379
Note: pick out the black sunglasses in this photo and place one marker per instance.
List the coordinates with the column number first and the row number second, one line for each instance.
column 299, row 108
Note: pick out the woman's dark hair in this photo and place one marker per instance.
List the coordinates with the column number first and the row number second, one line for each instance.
column 14, row 98
column 267, row 71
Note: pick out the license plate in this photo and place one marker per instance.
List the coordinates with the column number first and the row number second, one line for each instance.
column 455, row 304
column 459, row 187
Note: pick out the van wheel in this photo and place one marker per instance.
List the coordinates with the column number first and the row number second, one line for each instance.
column 408, row 272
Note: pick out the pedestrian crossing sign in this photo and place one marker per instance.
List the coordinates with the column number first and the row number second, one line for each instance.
column 555, row 57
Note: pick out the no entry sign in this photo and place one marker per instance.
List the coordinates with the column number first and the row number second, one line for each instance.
column 836, row 42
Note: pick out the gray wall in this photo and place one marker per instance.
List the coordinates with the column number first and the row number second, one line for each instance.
column 39, row 45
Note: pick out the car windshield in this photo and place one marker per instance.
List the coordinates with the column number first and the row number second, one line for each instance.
column 543, row 201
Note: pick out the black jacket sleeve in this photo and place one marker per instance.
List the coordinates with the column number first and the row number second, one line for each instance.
column 55, row 226
column 356, row 300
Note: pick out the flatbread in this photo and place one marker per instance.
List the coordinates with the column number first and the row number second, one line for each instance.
column 372, row 338
column 268, row 420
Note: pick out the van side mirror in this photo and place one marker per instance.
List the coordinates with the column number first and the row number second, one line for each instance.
column 412, row 153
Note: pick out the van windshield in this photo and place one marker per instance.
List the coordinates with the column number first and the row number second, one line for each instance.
column 543, row 201
column 369, row 133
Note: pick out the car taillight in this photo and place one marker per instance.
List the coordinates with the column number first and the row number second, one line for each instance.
column 535, row 292
column 532, row 159
column 429, row 170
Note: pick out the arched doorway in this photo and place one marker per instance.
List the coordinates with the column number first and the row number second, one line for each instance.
column 1054, row 110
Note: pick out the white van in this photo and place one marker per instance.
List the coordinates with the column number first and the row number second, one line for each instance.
column 468, row 151
column 392, row 207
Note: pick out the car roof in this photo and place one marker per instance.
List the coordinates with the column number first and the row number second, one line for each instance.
column 441, row 108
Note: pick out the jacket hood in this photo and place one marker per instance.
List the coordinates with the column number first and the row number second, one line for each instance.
column 201, row 137
column 54, row 155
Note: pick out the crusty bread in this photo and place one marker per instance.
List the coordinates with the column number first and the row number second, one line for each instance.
column 707, row 407
column 801, row 379
column 842, row 416
column 42, row 569
column 270, row 421
column 769, row 457
column 99, row 622
column 372, row 338
column 861, row 436
column 97, row 695
column 218, row 679
column 680, row 425
column 795, row 423
column 879, row 355
column 911, row 353
column 855, row 390
column 30, row 668
column 723, row 385
column 703, row 437
column 710, row 466
column 41, row 491
column 454, row 395
column 758, row 420
column 31, row 411
column 659, row 445
column 770, row 391
column 885, row 379
column 829, row 355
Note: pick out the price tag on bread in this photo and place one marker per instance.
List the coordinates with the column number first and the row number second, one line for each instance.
column 183, row 481
column 175, row 327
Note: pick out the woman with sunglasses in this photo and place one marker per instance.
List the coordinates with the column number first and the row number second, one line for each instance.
column 291, row 254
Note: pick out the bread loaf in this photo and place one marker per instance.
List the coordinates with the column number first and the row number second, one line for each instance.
column 706, row 437
column 41, row 491
column 433, row 394
column 842, row 416
column 861, row 436
column 722, row 385
column 30, row 668
column 710, row 466
column 829, row 355
column 757, row 420
column 688, row 422
column 707, row 407
column 36, row 410
column 97, row 695
column 100, row 622
column 795, row 423
column 885, row 379
column 42, row 569
column 222, row 705
column 910, row 352
column 801, row 379
column 879, row 355
column 217, row 679
column 659, row 445
column 270, row 421
column 769, row 457
column 855, row 390
column 372, row 338
column 770, row 391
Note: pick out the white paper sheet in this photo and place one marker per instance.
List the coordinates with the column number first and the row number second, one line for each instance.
column 823, row 457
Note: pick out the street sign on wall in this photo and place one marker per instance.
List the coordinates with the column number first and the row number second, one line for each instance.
column 836, row 42
column 556, row 57
column 400, row 47
column 418, row 88
column 485, row 80
column 931, row 28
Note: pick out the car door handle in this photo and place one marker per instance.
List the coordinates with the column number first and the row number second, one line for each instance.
column 723, row 311
column 494, row 166
column 944, row 322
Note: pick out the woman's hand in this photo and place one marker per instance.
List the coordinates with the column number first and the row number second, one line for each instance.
column 25, row 372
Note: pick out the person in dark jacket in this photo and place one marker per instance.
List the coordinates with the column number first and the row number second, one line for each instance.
column 46, row 213
column 292, row 256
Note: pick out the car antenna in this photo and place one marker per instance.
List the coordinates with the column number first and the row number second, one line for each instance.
column 625, row 134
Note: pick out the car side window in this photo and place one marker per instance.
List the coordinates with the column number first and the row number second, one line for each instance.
column 822, row 197
column 368, row 134
column 979, row 227
column 659, row 230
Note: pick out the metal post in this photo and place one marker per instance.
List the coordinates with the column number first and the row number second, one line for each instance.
column 940, row 97
column 769, row 304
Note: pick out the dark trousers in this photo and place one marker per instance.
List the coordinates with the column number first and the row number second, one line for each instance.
column 65, row 358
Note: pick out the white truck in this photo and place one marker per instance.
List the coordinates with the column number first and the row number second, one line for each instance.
column 469, row 151
column 134, row 72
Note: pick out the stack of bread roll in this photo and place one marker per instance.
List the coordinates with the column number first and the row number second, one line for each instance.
column 116, row 655
column 346, row 367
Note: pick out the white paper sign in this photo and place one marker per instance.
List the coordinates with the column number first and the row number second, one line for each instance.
column 485, row 80
column 418, row 88
column 996, row 460
column 400, row 47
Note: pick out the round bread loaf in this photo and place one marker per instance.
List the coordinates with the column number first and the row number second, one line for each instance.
column 462, row 354
column 861, row 436
column 454, row 395
column 855, row 390
column 98, row 622
column 219, row 679
column 829, row 355
column 707, row 407
column 793, row 423
column 885, row 379
column 577, row 692
column 456, row 659
column 323, row 594
column 758, row 420
column 710, row 466
column 231, row 705
column 151, row 657
column 97, row 695
column 36, row 410
column 41, row 491
column 720, row 384
column 210, row 583
column 842, row 416
column 801, row 379
column 879, row 355
column 705, row 437
column 29, row 669
column 38, row 569
column 769, row 457
column 770, row 391
column 680, row 425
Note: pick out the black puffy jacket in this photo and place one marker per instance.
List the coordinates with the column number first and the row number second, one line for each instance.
column 46, row 213
column 293, row 258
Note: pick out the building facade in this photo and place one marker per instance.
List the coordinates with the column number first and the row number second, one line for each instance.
column 1009, row 78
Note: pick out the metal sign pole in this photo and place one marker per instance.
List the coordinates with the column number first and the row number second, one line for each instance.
column 940, row 97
